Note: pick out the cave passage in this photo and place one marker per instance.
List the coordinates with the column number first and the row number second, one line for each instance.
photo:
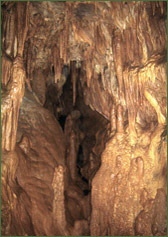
column 79, row 119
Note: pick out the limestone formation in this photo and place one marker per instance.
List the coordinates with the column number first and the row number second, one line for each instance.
column 84, row 118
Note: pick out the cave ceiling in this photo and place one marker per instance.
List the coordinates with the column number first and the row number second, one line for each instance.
column 109, row 40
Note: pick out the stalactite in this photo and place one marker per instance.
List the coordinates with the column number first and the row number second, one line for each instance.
column 116, row 43
column 6, row 66
column 161, row 6
column 74, row 77
column 82, row 35
column 61, row 44
column 101, row 102
column 10, row 34
column 10, row 105
column 11, row 100
column 55, row 57
column 143, row 47
column 29, row 55
column 64, row 45
column 103, row 78
column 129, row 45
column 66, row 33
column 88, row 68
column 29, row 66
column 57, row 64
column 15, row 47
column 93, row 64
column 153, row 8
column 32, row 68
column 4, row 20
column 22, row 27
column 95, row 6
column 7, row 35
column 100, row 44
column 135, row 47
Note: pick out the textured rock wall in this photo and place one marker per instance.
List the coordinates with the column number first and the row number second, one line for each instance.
column 13, row 73
column 39, row 180
column 128, row 179
column 120, row 49
column 132, row 168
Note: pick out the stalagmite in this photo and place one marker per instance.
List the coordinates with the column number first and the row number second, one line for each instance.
column 72, row 158
column 140, row 165
column 120, row 121
column 58, row 202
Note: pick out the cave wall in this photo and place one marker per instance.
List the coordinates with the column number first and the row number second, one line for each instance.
column 102, row 65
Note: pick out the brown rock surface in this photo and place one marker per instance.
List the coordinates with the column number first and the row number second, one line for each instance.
column 38, row 162
column 127, row 173
column 84, row 118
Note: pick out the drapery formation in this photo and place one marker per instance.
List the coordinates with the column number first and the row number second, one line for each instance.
column 13, row 75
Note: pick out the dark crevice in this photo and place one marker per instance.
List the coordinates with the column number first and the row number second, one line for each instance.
column 62, row 120
column 80, row 158
column 86, row 192
column 83, row 120
column 53, row 70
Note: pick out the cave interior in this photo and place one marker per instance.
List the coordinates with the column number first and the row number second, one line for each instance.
column 84, row 118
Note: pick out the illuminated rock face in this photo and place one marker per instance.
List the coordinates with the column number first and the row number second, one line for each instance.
column 129, row 178
column 37, row 200
column 102, row 66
